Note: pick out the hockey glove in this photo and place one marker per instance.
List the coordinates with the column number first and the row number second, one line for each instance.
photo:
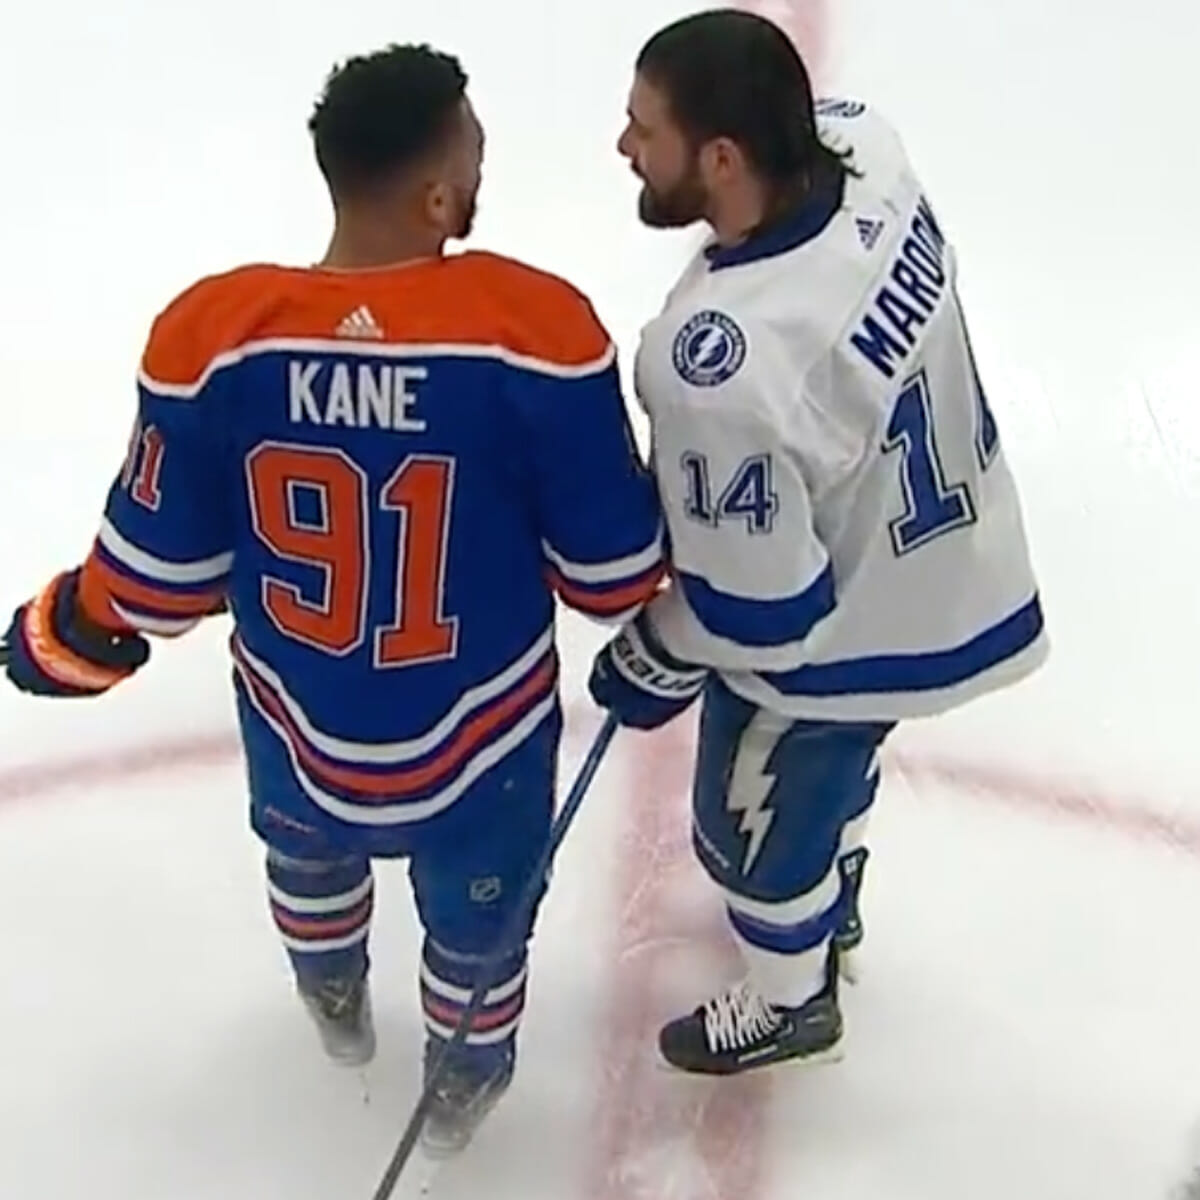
column 49, row 650
column 639, row 681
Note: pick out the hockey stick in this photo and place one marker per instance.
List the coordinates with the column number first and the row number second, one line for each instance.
column 505, row 945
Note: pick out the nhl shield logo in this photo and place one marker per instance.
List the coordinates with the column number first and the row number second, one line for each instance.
column 487, row 890
column 710, row 349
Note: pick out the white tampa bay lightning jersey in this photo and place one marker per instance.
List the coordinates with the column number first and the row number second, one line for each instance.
column 846, row 536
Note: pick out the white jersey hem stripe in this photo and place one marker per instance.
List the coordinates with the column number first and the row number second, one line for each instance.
column 396, row 753
column 408, row 812
column 888, row 706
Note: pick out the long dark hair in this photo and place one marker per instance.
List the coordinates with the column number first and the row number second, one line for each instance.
column 728, row 73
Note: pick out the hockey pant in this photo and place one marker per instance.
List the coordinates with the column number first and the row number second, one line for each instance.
column 778, row 807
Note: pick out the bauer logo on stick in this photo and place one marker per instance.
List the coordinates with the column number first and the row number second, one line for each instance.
column 710, row 349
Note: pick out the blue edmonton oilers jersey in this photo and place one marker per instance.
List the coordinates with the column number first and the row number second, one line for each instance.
column 389, row 474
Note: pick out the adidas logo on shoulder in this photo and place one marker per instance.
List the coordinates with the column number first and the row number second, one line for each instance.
column 869, row 231
column 359, row 324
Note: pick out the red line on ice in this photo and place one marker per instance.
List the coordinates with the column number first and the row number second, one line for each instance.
column 658, row 1134
column 33, row 781
column 1044, row 797
column 1041, row 796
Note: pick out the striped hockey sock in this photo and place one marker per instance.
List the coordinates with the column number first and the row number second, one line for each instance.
column 446, row 982
column 323, row 912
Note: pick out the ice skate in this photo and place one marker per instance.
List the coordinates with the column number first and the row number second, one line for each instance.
column 341, row 1011
column 467, row 1090
column 849, row 935
column 739, row 1031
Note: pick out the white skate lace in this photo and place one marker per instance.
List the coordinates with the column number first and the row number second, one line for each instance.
column 737, row 1019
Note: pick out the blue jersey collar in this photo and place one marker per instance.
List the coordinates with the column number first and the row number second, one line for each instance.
column 801, row 225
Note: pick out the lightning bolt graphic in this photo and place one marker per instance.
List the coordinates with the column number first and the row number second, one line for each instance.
column 712, row 339
column 751, row 784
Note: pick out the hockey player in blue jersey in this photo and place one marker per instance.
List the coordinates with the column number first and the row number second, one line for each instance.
column 385, row 465
column 846, row 541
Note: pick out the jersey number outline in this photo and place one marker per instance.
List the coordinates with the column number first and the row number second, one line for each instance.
column 337, row 541
column 933, row 507
column 750, row 494
column 141, row 474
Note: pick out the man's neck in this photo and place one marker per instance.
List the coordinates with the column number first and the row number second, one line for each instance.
column 365, row 245
column 743, row 211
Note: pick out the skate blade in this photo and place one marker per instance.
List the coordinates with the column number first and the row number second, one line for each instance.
column 819, row 1058
column 429, row 1171
column 438, row 1155
column 850, row 966
column 352, row 1060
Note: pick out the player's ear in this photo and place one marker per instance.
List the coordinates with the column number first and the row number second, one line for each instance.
column 721, row 159
column 439, row 205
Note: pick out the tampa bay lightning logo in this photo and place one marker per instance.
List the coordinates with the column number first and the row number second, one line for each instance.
column 709, row 349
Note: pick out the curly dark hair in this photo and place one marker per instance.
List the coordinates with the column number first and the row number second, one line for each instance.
column 381, row 112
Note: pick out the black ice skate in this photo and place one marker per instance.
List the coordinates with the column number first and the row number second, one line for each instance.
column 849, row 935
column 467, row 1090
column 739, row 1031
column 341, row 1010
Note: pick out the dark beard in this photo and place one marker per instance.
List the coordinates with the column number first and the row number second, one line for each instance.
column 682, row 205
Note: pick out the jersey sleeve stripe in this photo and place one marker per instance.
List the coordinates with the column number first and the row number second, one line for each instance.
column 608, row 602
column 929, row 671
column 150, row 623
column 103, row 584
column 161, row 570
column 189, row 388
column 611, row 571
column 760, row 623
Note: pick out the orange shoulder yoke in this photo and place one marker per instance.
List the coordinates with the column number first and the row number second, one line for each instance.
column 473, row 300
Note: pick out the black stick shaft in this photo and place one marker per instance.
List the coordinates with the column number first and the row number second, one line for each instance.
column 513, row 932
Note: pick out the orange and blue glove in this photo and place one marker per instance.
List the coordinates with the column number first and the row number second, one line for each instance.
column 51, row 649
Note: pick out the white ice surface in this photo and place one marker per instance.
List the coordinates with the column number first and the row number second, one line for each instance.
column 1027, row 1025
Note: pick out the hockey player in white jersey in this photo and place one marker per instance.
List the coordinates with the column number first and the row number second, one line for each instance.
column 847, row 542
